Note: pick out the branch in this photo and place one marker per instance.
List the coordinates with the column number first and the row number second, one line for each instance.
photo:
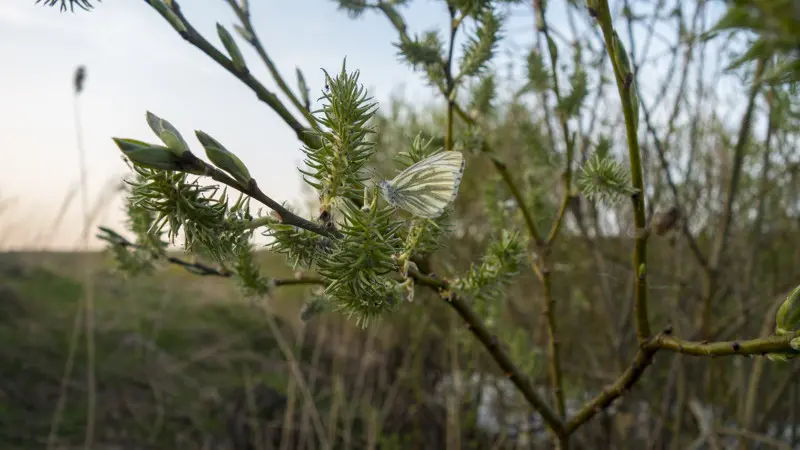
column 490, row 342
column 244, row 17
column 201, row 269
column 193, row 37
column 285, row 216
column 643, row 358
column 640, row 243
column 539, row 7
column 760, row 346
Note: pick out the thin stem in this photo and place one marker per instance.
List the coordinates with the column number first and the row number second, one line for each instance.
column 562, row 118
column 193, row 37
column 476, row 326
column 553, row 345
column 638, row 199
column 760, row 346
column 527, row 216
column 201, row 269
column 244, row 17
column 286, row 217
column 448, row 79
column 643, row 358
column 91, row 384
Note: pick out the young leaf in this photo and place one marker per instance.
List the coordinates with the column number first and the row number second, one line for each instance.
column 787, row 320
column 232, row 48
column 304, row 91
column 166, row 11
column 147, row 155
column 223, row 158
column 168, row 134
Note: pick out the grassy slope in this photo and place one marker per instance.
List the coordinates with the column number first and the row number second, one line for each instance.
column 169, row 349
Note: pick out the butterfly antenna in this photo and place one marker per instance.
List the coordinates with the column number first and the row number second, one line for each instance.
column 376, row 177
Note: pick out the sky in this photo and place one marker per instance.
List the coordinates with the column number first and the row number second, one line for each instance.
column 136, row 63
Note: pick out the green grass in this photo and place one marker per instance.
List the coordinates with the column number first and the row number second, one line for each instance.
column 169, row 354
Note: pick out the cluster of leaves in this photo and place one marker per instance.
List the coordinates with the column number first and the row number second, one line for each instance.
column 603, row 179
column 85, row 5
column 358, row 265
column 426, row 52
column 505, row 257
column 139, row 258
column 774, row 24
column 337, row 165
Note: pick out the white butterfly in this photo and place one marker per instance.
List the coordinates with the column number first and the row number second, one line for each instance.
column 426, row 188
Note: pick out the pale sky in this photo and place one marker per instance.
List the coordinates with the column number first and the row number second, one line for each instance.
column 136, row 62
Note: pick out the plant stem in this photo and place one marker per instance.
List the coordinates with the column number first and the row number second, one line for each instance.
column 760, row 346
column 244, row 17
column 193, row 37
column 638, row 199
column 492, row 345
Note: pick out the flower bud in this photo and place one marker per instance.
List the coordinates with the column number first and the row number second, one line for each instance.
column 168, row 134
column 232, row 48
column 224, row 159
column 621, row 57
column 147, row 155
column 787, row 320
column 166, row 10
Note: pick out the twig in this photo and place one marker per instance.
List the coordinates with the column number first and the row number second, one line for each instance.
column 643, row 358
column 476, row 326
column 201, row 269
column 760, row 346
column 244, row 17
column 193, row 37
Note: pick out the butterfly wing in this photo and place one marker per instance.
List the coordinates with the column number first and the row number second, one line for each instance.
column 426, row 188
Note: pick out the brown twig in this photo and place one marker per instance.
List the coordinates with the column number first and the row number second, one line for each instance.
column 476, row 326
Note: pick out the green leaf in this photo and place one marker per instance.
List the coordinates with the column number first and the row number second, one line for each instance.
column 224, row 159
column 244, row 33
column 621, row 57
column 538, row 75
column 168, row 134
column 787, row 320
column 480, row 48
column 167, row 13
column 304, row 91
column 232, row 48
column 148, row 155
column 394, row 16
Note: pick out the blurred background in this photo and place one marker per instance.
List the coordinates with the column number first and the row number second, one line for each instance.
column 178, row 360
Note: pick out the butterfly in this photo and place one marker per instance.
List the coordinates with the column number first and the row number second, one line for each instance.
column 426, row 188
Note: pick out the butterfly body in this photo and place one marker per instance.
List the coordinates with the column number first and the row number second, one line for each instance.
column 427, row 187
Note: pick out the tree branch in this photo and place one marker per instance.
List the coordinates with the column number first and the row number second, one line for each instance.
column 490, row 342
column 193, row 37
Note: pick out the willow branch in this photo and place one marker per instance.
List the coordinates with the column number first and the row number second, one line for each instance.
column 244, row 17
column 760, row 346
column 197, row 268
column 196, row 39
column 285, row 216
column 492, row 345
column 568, row 141
column 643, row 358
column 638, row 199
